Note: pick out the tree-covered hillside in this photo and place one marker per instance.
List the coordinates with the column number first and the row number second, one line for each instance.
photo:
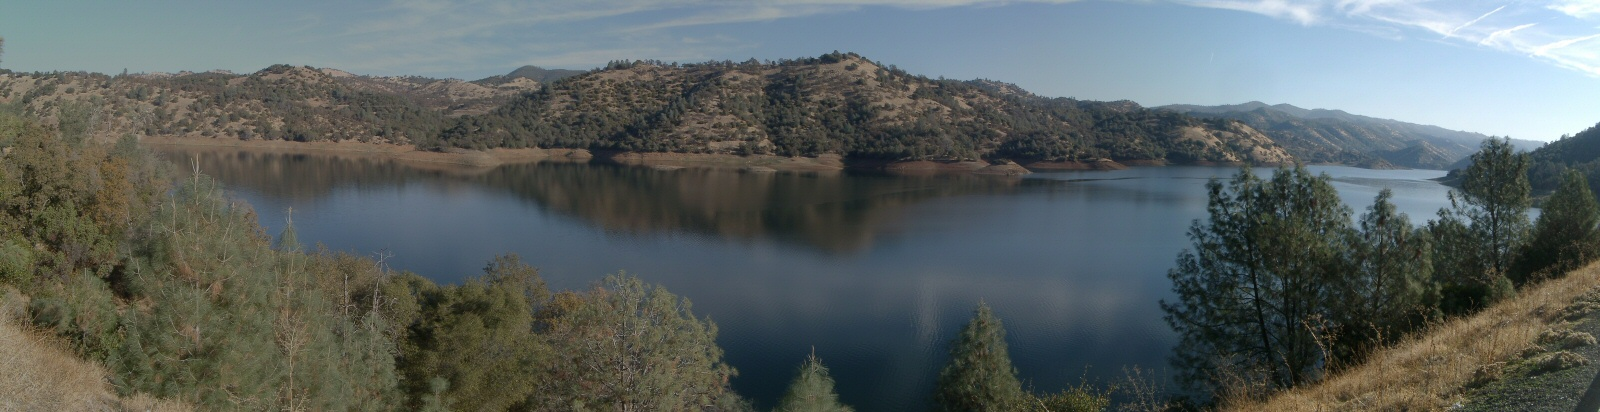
column 834, row 104
column 1335, row 136
column 844, row 104
column 1580, row 152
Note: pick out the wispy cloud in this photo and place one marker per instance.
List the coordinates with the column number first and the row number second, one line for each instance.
column 1561, row 32
column 407, row 35
column 1582, row 9
column 1452, row 32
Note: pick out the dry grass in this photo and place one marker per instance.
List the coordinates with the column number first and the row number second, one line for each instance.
column 1429, row 372
column 38, row 374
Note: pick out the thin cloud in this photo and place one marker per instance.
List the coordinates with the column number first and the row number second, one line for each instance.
column 1558, row 32
column 437, row 33
column 1303, row 12
column 1452, row 32
column 1582, row 9
column 1495, row 38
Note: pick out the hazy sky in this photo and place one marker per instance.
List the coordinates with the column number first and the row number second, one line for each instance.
column 1527, row 69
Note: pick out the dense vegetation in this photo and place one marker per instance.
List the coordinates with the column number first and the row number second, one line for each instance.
column 1579, row 152
column 1282, row 288
column 837, row 103
column 1333, row 136
column 175, row 288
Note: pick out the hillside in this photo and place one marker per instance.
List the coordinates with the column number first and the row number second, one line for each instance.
column 1579, row 151
column 836, row 104
column 842, row 104
column 531, row 73
column 1336, row 136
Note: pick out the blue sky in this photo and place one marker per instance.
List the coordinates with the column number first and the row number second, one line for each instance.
column 1527, row 69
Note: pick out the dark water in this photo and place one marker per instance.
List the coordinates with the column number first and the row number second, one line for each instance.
column 875, row 273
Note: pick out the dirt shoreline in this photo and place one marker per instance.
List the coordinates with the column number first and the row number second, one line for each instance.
column 664, row 161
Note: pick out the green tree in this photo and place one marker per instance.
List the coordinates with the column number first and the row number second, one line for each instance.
column 1256, row 288
column 811, row 390
column 479, row 338
column 1484, row 228
column 1390, row 289
column 1496, row 193
column 1566, row 235
column 979, row 376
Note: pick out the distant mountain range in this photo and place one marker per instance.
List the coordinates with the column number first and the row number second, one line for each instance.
column 835, row 104
column 1336, row 136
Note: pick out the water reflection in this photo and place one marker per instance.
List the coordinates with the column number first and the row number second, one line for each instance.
column 874, row 273
column 830, row 211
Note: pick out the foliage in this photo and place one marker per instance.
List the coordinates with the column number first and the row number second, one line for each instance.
column 1255, row 290
column 1390, row 290
column 979, row 376
column 1566, row 236
column 1580, row 152
column 811, row 390
column 626, row 345
column 477, row 337
column 1478, row 237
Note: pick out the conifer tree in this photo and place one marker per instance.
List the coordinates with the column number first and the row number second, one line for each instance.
column 1479, row 236
column 1495, row 189
column 811, row 390
column 979, row 376
column 1258, row 283
column 1566, row 236
column 1390, row 288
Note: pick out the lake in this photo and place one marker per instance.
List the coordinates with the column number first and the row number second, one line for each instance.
column 874, row 273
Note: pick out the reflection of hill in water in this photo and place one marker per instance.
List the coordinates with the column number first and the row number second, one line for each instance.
column 836, row 212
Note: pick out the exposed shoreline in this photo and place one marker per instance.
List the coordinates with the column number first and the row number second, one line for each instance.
column 664, row 161
column 658, row 160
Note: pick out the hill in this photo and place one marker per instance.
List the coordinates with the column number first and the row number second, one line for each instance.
column 1579, row 151
column 836, row 104
column 842, row 104
column 532, row 73
column 1336, row 136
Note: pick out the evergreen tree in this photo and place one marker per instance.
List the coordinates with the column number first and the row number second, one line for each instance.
column 979, row 376
column 1253, row 291
column 1566, row 236
column 1496, row 190
column 1486, row 225
column 811, row 390
column 1390, row 290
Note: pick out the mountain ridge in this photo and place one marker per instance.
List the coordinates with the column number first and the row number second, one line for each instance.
column 1324, row 135
column 835, row 104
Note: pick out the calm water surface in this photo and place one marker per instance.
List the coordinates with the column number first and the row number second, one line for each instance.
column 875, row 273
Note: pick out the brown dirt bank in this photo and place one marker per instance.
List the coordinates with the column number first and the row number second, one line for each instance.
column 406, row 153
column 454, row 158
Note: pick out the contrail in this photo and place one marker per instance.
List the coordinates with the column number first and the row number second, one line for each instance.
column 1452, row 32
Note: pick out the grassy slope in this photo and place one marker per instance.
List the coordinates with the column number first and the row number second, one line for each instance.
column 1434, row 371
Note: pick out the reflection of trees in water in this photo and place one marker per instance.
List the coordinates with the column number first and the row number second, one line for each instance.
column 836, row 212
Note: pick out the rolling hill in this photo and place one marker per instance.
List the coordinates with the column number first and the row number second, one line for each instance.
column 1336, row 136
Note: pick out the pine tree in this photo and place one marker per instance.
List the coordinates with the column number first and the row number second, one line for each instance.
column 1495, row 189
column 1566, row 236
column 979, row 376
column 1479, row 236
column 1391, row 289
column 811, row 390
column 1258, row 283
